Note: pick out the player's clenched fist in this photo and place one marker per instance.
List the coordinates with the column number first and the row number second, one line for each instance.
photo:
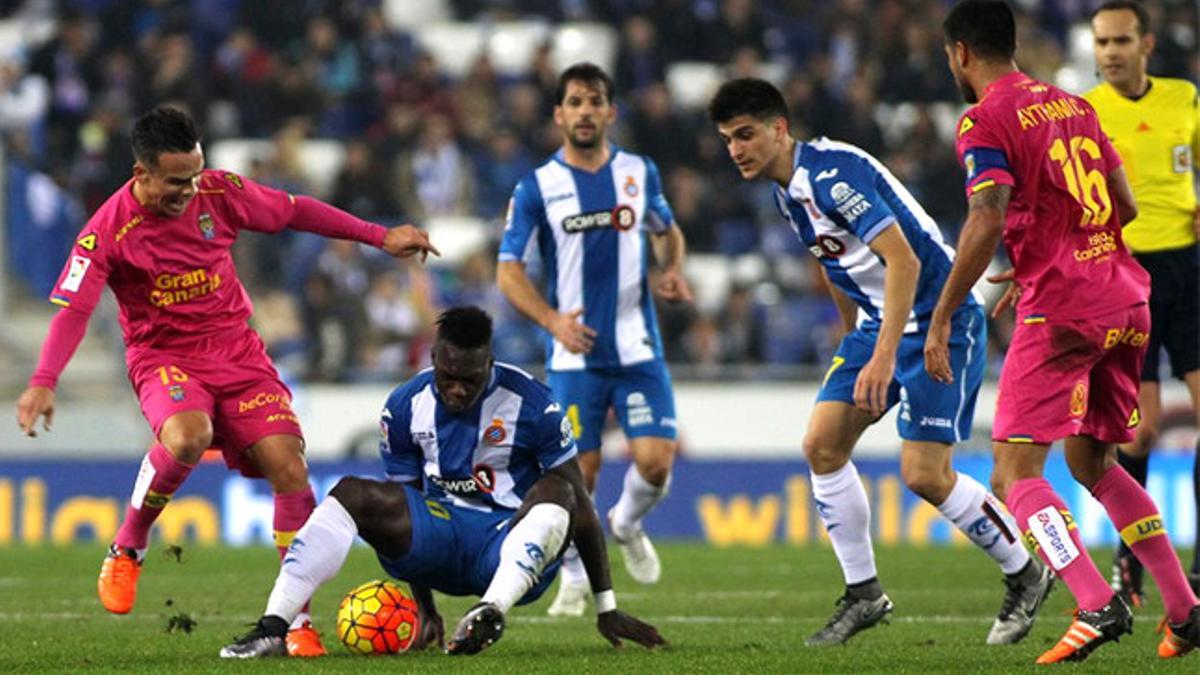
column 616, row 624
column 405, row 240
column 34, row 403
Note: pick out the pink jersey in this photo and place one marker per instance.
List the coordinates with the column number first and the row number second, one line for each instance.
column 1062, row 231
column 173, row 277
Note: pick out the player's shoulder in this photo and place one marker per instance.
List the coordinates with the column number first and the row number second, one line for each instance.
column 825, row 161
column 527, row 186
column 520, row 382
column 219, row 182
column 623, row 156
column 1175, row 90
column 398, row 400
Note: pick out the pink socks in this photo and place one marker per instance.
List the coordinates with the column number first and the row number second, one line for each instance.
column 160, row 476
column 291, row 512
column 1137, row 519
column 1044, row 519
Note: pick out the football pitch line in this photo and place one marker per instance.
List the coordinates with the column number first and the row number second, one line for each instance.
column 658, row 619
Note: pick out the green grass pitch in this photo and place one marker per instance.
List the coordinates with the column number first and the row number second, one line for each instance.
column 723, row 610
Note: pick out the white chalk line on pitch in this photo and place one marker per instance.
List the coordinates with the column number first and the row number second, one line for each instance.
column 677, row 618
column 664, row 619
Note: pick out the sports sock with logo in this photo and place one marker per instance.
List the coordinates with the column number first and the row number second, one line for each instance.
column 637, row 498
column 843, row 507
column 1139, row 469
column 1137, row 519
column 158, row 479
column 986, row 523
column 292, row 509
column 1043, row 517
column 315, row 555
column 530, row 545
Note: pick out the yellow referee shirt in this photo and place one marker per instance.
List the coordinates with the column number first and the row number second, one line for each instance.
column 1158, row 138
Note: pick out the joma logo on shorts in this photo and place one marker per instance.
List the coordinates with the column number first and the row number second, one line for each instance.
column 1125, row 336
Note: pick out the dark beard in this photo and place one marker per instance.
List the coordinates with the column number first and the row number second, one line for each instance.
column 582, row 144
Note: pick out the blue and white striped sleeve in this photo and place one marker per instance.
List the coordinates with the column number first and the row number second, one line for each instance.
column 659, row 215
column 525, row 213
column 401, row 458
column 850, row 198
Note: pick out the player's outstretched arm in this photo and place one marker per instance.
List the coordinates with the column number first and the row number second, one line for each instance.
column 433, row 629
column 612, row 623
column 976, row 246
column 314, row 215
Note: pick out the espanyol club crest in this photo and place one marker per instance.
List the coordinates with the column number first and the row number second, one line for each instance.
column 624, row 217
column 495, row 433
column 207, row 229
column 631, row 187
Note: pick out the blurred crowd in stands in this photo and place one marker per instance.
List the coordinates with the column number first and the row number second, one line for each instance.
column 420, row 143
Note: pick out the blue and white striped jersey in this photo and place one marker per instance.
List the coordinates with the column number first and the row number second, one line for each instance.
column 484, row 457
column 839, row 199
column 591, row 232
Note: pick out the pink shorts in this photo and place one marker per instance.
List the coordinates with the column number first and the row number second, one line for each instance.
column 1072, row 378
column 228, row 377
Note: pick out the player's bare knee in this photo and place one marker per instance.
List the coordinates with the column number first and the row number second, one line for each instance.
column 1087, row 472
column 821, row 455
column 289, row 475
column 188, row 440
column 931, row 486
column 656, row 470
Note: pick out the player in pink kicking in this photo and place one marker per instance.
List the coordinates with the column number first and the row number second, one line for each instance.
column 1042, row 175
column 162, row 243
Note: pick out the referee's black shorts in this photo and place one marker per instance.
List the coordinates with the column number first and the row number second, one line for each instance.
column 1174, row 310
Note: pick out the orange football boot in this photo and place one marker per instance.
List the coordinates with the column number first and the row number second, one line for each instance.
column 305, row 641
column 117, row 585
column 1090, row 630
column 1181, row 639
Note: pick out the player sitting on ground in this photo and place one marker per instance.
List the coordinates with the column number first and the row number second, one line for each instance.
column 469, row 510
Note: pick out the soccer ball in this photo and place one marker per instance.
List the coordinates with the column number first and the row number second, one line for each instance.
column 378, row 617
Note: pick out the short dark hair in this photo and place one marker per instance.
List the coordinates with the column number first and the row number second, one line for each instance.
column 163, row 129
column 586, row 72
column 465, row 327
column 747, row 96
column 1138, row 9
column 986, row 27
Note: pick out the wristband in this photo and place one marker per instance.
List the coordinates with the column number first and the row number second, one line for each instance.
column 606, row 601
